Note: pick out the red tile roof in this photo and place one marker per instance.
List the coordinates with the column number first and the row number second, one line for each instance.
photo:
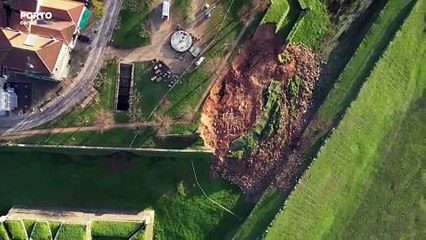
column 39, row 56
column 62, row 30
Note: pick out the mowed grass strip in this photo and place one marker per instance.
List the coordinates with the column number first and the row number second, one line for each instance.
column 277, row 12
column 367, row 54
column 3, row 232
column 41, row 231
column 69, row 231
column 333, row 188
column 313, row 26
column 113, row 228
column 16, row 229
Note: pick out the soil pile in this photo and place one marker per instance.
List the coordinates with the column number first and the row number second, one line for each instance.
column 236, row 102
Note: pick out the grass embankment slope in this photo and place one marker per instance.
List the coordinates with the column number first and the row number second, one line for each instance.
column 277, row 12
column 352, row 174
column 146, row 181
column 313, row 25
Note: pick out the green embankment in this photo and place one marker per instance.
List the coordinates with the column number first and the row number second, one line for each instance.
column 16, row 229
column 277, row 13
column 312, row 25
column 72, row 231
column 342, row 179
column 147, row 180
column 41, row 231
column 113, row 229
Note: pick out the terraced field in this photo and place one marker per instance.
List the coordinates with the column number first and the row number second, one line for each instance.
column 353, row 168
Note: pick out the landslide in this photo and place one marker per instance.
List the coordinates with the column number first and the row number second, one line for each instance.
column 236, row 102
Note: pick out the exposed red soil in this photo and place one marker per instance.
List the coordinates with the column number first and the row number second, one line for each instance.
column 235, row 104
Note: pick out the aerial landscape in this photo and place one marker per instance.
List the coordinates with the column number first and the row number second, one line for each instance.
column 212, row 119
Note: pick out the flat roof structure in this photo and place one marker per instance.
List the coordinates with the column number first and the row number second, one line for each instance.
column 181, row 41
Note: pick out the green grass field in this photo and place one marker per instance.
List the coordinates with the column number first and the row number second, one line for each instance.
column 151, row 91
column 41, row 231
column 355, row 73
column 277, row 13
column 183, row 8
column 313, row 25
column 132, row 19
column 113, row 229
column 119, row 137
column 16, row 229
column 146, row 181
column 72, row 231
column 351, row 174
column 262, row 215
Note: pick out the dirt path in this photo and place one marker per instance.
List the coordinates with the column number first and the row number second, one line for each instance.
column 222, row 70
column 29, row 133
column 159, row 47
column 79, row 215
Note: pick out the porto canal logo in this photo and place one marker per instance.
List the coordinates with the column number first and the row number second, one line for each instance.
column 40, row 18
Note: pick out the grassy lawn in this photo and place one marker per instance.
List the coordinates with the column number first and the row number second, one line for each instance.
column 183, row 7
column 16, row 229
column 104, row 99
column 132, row 20
column 277, row 12
column 357, row 70
column 262, row 215
column 313, row 25
column 41, row 231
column 113, row 229
column 187, row 93
column 145, row 181
column 72, row 231
column 151, row 91
column 354, row 167
column 118, row 137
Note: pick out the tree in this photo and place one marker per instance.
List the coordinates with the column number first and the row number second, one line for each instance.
column 103, row 119
column 162, row 124
column 98, row 8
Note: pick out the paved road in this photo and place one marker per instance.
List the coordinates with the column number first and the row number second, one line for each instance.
column 79, row 89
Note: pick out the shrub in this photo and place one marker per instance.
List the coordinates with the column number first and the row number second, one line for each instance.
column 98, row 8
column 180, row 188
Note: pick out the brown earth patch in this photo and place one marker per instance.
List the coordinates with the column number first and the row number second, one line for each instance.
column 236, row 102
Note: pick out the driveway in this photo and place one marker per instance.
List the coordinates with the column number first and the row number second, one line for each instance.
column 80, row 88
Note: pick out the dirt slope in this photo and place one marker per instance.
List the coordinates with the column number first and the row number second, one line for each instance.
column 236, row 102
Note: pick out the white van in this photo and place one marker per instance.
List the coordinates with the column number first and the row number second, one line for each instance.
column 166, row 10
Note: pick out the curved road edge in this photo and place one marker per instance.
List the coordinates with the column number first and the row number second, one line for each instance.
column 79, row 89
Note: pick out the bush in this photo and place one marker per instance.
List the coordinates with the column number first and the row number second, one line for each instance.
column 180, row 188
column 98, row 8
